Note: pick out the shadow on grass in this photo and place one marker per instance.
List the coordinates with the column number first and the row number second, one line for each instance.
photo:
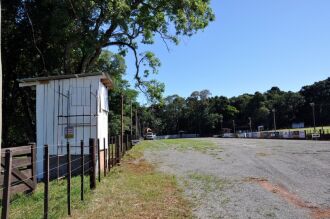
column 132, row 190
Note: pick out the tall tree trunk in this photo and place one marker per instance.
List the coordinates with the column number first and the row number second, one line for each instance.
column 0, row 86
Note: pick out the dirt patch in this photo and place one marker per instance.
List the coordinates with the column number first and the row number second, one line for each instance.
column 271, row 159
column 140, row 166
column 262, row 154
column 315, row 212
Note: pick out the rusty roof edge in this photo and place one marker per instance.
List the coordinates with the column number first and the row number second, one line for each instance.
column 57, row 77
column 24, row 82
column 108, row 77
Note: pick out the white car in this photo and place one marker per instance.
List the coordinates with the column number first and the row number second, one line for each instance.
column 150, row 136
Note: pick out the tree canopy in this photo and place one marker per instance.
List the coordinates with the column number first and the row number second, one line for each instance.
column 42, row 38
column 202, row 114
column 66, row 37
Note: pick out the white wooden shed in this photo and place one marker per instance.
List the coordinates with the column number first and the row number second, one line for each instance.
column 69, row 108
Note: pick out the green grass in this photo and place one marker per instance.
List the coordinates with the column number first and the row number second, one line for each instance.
column 136, row 190
column 202, row 185
column 31, row 206
column 201, row 145
column 132, row 190
column 209, row 182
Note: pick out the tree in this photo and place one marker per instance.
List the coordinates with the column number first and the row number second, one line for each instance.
column 318, row 93
column 0, row 86
column 74, row 33
column 293, row 102
column 68, row 37
column 200, row 113
column 114, row 63
column 172, row 113
column 204, row 94
column 241, row 104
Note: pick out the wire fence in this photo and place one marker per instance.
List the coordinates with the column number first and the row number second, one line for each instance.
column 87, row 165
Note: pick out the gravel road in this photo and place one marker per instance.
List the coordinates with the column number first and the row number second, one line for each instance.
column 246, row 178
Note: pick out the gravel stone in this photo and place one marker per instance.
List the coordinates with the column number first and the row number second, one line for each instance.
column 218, row 185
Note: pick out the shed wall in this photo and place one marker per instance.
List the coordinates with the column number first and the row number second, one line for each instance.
column 71, row 103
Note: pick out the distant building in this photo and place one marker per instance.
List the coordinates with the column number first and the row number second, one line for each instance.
column 261, row 128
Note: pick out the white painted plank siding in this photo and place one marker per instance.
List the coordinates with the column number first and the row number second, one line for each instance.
column 51, row 103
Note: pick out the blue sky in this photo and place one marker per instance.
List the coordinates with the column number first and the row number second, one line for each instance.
column 252, row 46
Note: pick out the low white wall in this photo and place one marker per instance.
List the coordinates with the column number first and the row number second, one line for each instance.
column 278, row 134
column 229, row 135
column 177, row 136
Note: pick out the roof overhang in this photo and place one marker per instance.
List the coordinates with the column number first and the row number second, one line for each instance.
column 28, row 82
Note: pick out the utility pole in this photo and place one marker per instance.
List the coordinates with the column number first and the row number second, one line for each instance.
column 250, row 124
column 313, row 109
column 122, row 120
column 136, row 124
column 143, row 127
column 221, row 121
column 321, row 116
column 274, row 116
column 131, row 118
column 0, row 85
column 234, row 126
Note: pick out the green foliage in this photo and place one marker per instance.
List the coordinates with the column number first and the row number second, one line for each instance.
column 42, row 38
column 200, row 113
column 66, row 37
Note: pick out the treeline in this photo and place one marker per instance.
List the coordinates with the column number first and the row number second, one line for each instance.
column 203, row 114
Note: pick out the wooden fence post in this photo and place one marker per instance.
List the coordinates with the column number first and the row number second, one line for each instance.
column 34, row 163
column 127, row 146
column 82, row 170
column 123, row 145
column 46, row 181
column 68, row 159
column 130, row 141
column 109, row 154
column 99, row 159
column 92, row 163
column 7, row 184
column 132, row 138
column 104, row 158
column 113, row 151
column 118, row 149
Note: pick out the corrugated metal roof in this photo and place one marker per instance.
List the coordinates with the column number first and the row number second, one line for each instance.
column 25, row 82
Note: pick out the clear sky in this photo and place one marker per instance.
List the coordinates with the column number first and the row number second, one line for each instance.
column 252, row 46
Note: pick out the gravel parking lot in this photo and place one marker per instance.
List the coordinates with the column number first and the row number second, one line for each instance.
column 247, row 178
